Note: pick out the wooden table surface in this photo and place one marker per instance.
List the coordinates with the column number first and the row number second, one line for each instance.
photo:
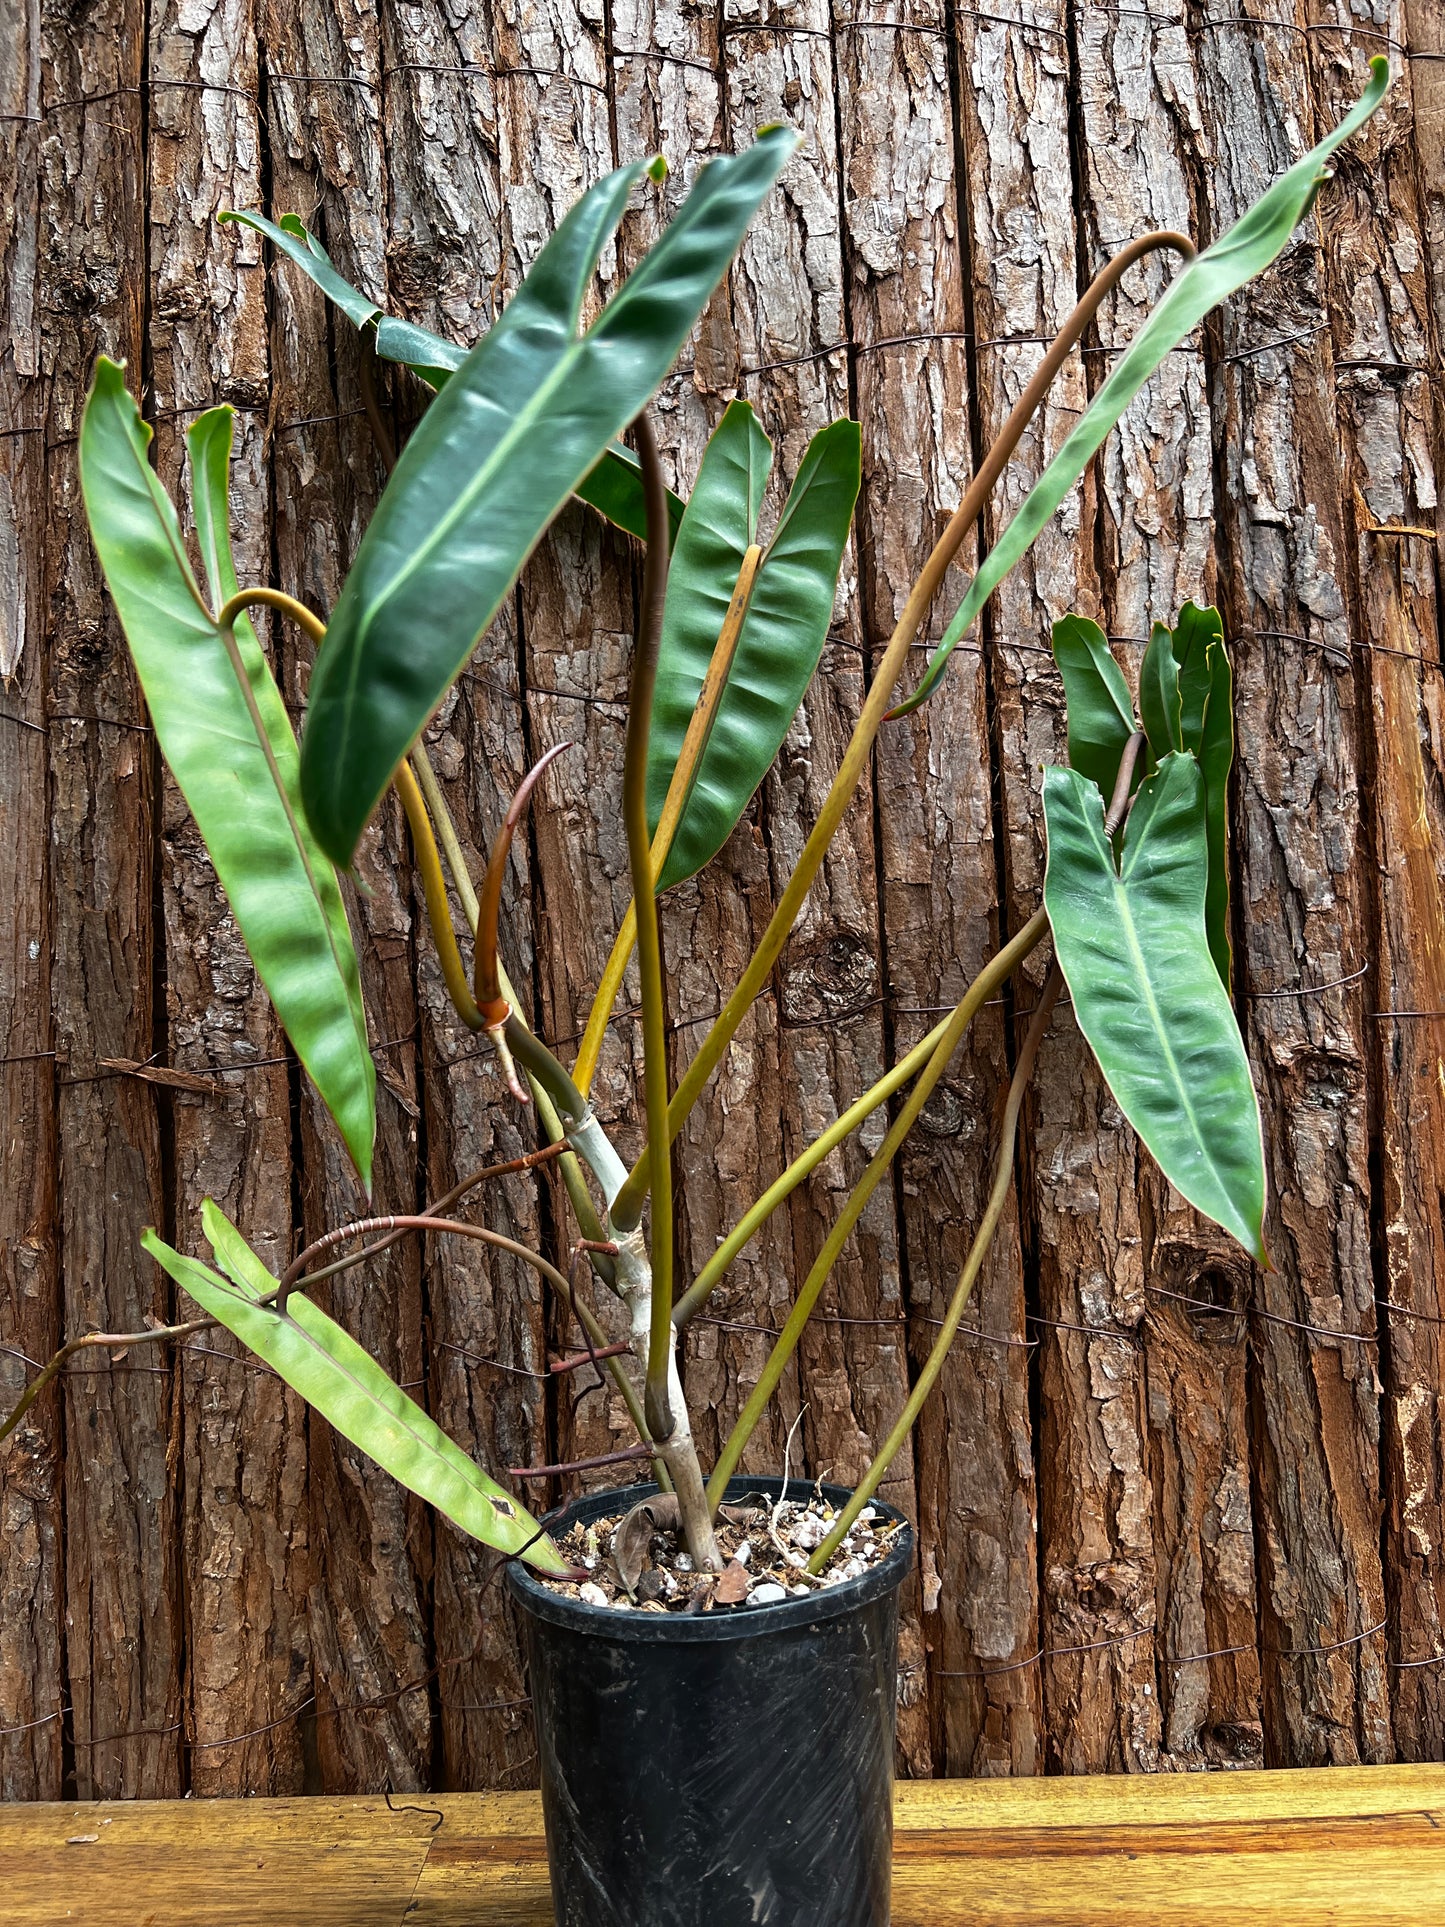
column 1337, row 1844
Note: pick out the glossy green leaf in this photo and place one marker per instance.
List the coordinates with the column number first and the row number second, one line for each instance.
column 1100, row 710
column 613, row 487
column 1216, row 753
column 1196, row 631
column 1131, row 944
column 281, row 888
column 518, row 426
column 1175, row 687
column 718, row 526
column 777, row 653
column 1160, row 709
column 352, row 1393
column 1237, row 257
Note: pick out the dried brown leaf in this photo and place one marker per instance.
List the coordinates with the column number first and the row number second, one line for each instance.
column 732, row 1586
column 632, row 1536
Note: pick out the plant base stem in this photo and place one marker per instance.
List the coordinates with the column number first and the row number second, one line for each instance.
column 678, row 1451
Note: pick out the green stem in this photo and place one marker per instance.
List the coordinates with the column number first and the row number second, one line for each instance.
column 751, row 1222
column 649, row 940
column 298, row 613
column 984, row 984
column 973, row 1264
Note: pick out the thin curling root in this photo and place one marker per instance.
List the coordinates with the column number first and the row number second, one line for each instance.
column 494, row 1008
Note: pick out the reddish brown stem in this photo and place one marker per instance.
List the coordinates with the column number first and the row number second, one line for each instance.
column 578, row 1359
column 415, row 1221
column 444, row 1203
column 623, row 1457
column 493, row 1005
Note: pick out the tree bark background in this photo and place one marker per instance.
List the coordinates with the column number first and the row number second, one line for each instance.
column 1173, row 1512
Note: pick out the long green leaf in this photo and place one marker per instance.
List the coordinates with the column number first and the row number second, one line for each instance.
column 1100, row 710
column 613, row 487
column 352, row 1393
column 1237, row 257
column 1160, row 705
column 718, row 526
column 1177, row 701
column 1195, row 633
column 777, row 653
column 281, row 888
column 1132, row 947
column 495, row 456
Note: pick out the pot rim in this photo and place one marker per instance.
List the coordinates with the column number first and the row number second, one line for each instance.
column 605, row 1622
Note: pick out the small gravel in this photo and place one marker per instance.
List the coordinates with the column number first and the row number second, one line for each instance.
column 765, row 1550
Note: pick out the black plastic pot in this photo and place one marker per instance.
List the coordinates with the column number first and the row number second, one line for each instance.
column 729, row 1770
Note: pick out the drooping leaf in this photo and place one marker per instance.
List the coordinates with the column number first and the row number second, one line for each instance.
column 1216, row 753
column 782, row 638
column 516, row 428
column 281, row 888
column 352, row 1393
column 1131, row 944
column 718, row 526
column 1237, row 257
column 1160, row 709
column 614, row 486
column 1100, row 711
column 419, row 349
column 1194, row 633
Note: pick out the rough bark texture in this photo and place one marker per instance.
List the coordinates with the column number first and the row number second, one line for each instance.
column 32, row 1587
column 1173, row 1512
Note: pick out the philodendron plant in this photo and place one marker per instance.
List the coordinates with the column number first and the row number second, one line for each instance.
column 732, row 620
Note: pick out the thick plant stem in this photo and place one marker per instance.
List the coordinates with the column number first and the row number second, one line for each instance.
column 876, row 704
column 973, row 1264
column 984, row 984
column 661, row 1370
column 752, row 1220
column 678, row 1450
column 679, row 789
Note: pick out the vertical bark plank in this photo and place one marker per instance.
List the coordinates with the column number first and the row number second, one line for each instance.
column 1379, row 302
column 905, row 287
column 323, row 157
column 1096, row 1540
column 243, row 1455
column 31, row 1587
column 123, row 1628
column 1139, row 139
column 1301, row 922
column 486, row 1331
column 791, row 319
column 370, row 1541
